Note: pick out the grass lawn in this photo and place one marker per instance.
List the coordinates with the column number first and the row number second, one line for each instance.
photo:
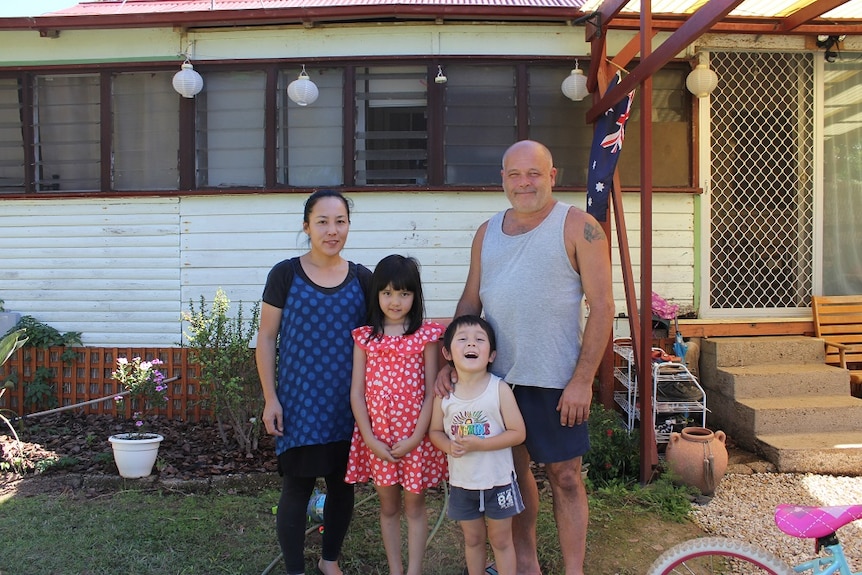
column 233, row 532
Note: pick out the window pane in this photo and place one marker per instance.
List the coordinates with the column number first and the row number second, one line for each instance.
column 230, row 129
column 146, row 132
column 560, row 124
column 11, row 137
column 67, row 132
column 671, row 133
column 311, row 138
column 391, row 123
column 480, row 122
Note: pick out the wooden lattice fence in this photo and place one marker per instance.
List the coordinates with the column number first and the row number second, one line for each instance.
column 88, row 377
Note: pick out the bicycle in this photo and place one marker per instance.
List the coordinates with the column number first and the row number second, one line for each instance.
column 724, row 555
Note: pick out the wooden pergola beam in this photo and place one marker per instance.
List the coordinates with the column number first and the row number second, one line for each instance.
column 700, row 22
column 810, row 12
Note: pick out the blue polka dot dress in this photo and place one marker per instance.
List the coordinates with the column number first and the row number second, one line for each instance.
column 315, row 358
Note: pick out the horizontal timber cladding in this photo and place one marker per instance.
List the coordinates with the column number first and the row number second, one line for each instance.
column 88, row 377
column 121, row 271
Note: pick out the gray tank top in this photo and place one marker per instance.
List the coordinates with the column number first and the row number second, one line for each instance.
column 532, row 296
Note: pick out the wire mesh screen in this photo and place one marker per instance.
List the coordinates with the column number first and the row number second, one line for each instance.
column 762, row 188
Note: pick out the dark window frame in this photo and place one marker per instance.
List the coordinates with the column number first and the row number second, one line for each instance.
column 271, row 68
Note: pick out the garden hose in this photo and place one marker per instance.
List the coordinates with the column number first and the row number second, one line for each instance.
column 82, row 404
column 317, row 525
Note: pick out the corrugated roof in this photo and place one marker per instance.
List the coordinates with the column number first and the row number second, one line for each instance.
column 751, row 16
column 750, row 8
column 162, row 6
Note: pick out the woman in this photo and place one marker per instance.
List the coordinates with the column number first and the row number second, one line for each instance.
column 305, row 357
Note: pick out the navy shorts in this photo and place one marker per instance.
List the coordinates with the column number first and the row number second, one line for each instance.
column 499, row 502
column 547, row 440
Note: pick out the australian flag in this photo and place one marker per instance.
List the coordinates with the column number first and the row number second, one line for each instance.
column 610, row 131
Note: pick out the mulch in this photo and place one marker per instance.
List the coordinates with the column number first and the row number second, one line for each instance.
column 69, row 452
column 69, row 444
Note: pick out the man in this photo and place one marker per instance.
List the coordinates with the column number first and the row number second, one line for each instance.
column 530, row 268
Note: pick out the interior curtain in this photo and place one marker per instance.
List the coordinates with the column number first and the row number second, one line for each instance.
column 842, row 234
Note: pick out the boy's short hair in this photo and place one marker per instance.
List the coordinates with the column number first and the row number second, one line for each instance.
column 463, row 320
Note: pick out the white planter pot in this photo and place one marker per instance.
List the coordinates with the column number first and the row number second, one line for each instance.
column 135, row 457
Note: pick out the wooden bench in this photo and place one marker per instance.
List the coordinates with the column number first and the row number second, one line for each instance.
column 838, row 322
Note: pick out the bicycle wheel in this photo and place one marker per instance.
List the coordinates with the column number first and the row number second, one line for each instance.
column 711, row 555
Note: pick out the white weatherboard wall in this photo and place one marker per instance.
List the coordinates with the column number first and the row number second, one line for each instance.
column 107, row 268
column 122, row 271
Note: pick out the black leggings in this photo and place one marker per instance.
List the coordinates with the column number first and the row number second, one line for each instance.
column 291, row 523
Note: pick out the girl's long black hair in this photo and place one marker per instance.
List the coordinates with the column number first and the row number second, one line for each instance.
column 403, row 274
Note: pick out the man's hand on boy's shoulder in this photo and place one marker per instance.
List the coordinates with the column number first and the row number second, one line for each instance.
column 445, row 381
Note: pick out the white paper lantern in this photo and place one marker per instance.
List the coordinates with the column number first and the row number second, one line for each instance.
column 701, row 81
column 575, row 85
column 188, row 82
column 302, row 90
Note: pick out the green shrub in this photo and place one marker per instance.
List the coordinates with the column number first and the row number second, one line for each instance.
column 39, row 390
column 42, row 336
column 614, row 455
column 220, row 346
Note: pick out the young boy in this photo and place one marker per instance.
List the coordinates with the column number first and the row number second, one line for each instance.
column 476, row 426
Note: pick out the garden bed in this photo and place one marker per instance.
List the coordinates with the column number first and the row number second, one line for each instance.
column 66, row 443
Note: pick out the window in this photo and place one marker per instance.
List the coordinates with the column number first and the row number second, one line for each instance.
column 391, row 125
column 230, row 130
column 480, row 122
column 375, row 123
column 145, row 132
column 559, row 123
column 67, row 132
column 311, row 138
column 11, row 136
column 671, row 133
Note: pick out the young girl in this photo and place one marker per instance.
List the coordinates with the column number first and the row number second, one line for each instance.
column 477, row 425
column 394, row 366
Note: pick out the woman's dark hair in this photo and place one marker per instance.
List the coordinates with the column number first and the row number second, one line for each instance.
column 463, row 320
column 319, row 195
column 403, row 274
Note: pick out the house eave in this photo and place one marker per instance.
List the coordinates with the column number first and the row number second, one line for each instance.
column 291, row 16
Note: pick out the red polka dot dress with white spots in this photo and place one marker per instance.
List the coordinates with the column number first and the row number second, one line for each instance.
column 394, row 393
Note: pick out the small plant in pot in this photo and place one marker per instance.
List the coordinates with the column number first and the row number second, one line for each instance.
column 135, row 452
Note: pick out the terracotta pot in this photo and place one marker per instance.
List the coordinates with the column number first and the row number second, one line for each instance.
column 698, row 457
column 135, row 456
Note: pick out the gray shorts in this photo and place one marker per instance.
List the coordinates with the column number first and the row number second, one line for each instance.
column 547, row 440
column 499, row 502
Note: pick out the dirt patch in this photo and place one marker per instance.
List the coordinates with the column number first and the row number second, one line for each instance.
column 628, row 543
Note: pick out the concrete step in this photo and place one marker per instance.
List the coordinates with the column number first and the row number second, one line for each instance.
column 774, row 395
column 797, row 413
column 772, row 350
column 831, row 453
column 746, row 419
column 764, row 380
